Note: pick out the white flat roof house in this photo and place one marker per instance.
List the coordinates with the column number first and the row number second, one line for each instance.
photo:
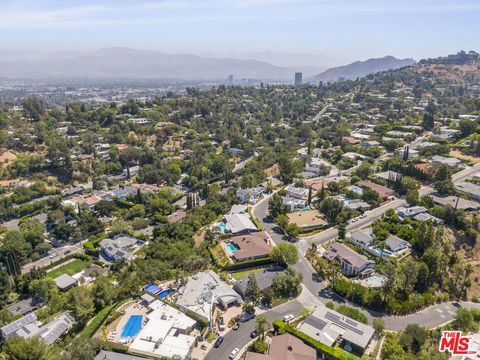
column 204, row 290
column 165, row 334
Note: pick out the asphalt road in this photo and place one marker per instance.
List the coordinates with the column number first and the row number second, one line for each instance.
column 316, row 293
column 239, row 338
column 431, row 317
column 60, row 253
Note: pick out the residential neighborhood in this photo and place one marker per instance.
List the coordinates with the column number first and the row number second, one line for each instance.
column 333, row 220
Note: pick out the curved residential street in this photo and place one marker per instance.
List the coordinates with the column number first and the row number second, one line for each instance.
column 316, row 293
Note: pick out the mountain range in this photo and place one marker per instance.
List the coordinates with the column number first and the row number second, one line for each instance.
column 124, row 63
column 362, row 68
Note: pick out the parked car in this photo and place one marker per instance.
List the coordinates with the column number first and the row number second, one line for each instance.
column 221, row 324
column 218, row 342
column 287, row 318
column 234, row 353
column 246, row 316
column 236, row 326
column 254, row 334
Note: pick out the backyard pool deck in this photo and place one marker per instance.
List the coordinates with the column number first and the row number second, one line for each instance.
column 115, row 329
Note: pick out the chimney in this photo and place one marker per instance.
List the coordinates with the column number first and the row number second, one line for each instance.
column 290, row 347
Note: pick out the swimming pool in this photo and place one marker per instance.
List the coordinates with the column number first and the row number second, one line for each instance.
column 152, row 288
column 231, row 248
column 375, row 281
column 382, row 252
column 222, row 227
column 133, row 326
column 165, row 293
column 356, row 189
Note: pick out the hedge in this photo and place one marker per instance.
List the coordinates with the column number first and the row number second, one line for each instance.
column 66, row 258
column 99, row 319
column 257, row 223
column 124, row 203
column 91, row 245
column 248, row 264
column 331, row 353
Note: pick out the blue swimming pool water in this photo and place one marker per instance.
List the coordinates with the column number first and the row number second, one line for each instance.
column 357, row 190
column 133, row 326
column 382, row 251
column 222, row 227
column 152, row 288
column 165, row 293
column 231, row 248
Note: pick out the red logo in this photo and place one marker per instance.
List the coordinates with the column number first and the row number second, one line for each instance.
column 454, row 342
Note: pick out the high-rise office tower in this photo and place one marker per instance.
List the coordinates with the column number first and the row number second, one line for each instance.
column 298, row 78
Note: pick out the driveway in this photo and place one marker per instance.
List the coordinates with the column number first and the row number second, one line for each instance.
column 238, row 338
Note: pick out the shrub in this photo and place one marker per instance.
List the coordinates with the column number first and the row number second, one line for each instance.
column 329, row 352
column 248, row 264
column 353, row 313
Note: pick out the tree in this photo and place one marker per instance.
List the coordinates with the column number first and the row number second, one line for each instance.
column 82, row 348
column 293, row 230
column 467, row 127
column 331, row 208
column 259, row 346
column 81, row 303
column 139, row 198
column 342, row 231
column 14, row 243
column 412, row 197
column 370, row 196
column 378, row 325
column 428, row 122
column 282, row 221
column 34, row 348
column 252, row 291
column 33, row 231
column 103, row 292
column 364, row 170
column 465, row 321
column 261, row 325
column 413, row 338
column 286, row 283
column 275, row 206
column 284, row 254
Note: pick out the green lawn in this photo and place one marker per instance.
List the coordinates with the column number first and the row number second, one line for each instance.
column 220, row 256
column 241, row 274
column 71, row 268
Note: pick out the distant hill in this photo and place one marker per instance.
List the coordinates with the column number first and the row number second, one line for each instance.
column 125, row 63
column 362, row 68
column 459, row 67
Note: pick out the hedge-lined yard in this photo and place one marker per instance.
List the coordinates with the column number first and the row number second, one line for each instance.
column 331, row 353
column 71, row 268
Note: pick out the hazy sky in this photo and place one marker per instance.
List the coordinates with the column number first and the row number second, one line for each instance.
column 346, row 29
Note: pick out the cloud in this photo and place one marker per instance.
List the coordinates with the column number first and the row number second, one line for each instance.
column 216, row 11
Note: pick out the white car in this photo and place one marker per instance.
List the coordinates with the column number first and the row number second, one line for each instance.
column 234, row 353
column 288, row 317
